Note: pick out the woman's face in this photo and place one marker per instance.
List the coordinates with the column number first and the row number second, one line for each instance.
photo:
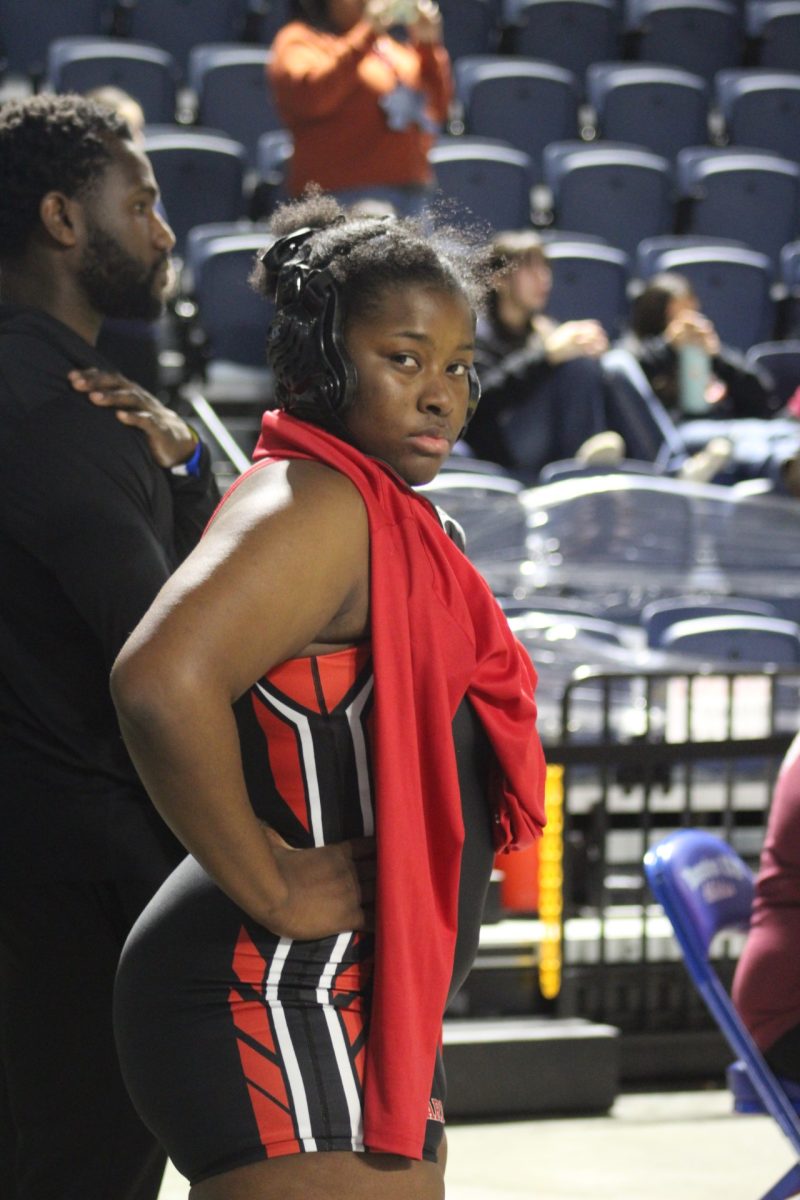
column 678, row 305
column 529, row 283
column 344, row 14
column 412, row 356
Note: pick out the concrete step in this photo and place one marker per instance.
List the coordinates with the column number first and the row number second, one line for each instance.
column 527, row 1066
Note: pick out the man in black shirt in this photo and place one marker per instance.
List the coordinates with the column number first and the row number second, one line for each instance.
column 103, row 492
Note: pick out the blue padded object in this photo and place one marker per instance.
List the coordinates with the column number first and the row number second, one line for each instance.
column 491, row 178
column 200, row 174
column 660, row 108
column 774, row 26
column 233, row 92
column 27, row 29
column 649, row 250
column 704, row 887
column 659, row 615
column 790, row 277
column 231, row 313
column 523, row 102
column 621, row 192
column 569, row 33
column 720, row 276
column 589, row 280
column 147, row 73
column 469, row 27
column 178, row 25
column 750, row 195
column 782, row 361
column 762, row 109
column 742, row 637
column 701, row 36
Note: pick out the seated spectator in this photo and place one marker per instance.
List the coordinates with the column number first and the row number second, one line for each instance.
column 543, row 389
column 766, row 986
column 667, row 330
column 362, row 106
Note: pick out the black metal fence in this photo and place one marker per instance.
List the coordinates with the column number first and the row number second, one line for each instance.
column 640, row 755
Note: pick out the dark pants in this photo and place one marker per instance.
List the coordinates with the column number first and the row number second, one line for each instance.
column 784, row 1055
column 67, row 1128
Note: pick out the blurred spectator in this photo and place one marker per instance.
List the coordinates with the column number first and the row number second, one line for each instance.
column 679, row 350
column 363, row 106
column 543, row 388
column 766, row 987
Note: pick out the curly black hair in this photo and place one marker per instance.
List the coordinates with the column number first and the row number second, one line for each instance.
column 49, row 143
column 368, row 256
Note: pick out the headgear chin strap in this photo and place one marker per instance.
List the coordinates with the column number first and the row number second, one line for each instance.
column 315, row 378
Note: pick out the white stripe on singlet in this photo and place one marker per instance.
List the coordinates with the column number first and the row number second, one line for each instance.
column 339, row 1044
column 303, row 728
column 275, row 1006
column 354, row 712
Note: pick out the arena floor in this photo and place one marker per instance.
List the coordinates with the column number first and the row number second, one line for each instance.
column 650, row 1147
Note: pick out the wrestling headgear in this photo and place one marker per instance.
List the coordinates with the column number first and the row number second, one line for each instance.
column 314, row 376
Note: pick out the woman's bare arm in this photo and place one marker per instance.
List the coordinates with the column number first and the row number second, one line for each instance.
column 284, row 565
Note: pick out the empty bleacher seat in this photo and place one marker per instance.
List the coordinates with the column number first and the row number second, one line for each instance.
column 621, row 192
column 701, row 36
column 659, row 615
column 147, row 73
column 569, row 33
column 233, row 92
column 650, row 250
column 762, row 109
column 782, row 361
column 743, row 637
column 470, row 26
column 773, row 27
column 790, row 278
column 521, row 101
column 179, row 25
column 490, row 178
column 747, row 194
column 658, row 107
column 27, row 29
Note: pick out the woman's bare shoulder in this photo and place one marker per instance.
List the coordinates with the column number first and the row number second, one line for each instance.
column 291, row 488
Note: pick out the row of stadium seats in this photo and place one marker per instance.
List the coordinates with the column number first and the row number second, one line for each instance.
column 703, row 36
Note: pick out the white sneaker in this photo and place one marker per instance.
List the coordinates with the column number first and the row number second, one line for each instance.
column 604, row 449
column 708, row 462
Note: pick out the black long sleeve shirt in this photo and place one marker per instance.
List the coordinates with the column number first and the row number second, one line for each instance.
column 90, row 528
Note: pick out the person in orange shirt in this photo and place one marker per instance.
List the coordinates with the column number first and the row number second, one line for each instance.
column 363, row 107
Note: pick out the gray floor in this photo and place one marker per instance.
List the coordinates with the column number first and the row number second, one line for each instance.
column 673, row 1146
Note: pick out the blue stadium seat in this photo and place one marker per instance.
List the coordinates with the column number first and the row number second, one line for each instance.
column 589, row 280
column 621, row 192
column 521, row 101
column 721, row 276
column 701, row 36
column 76, row 64
column 179, row 25
column 233, row 92
column 570, row 33
column 761, row 108
column 490, row 178
column 649, row 250
column 782, row 361
column 790, row 278
column 200, row 174
column 750, row 195
column 742, row 637
column 27, row 29
column 470, row 27
column 660, row 108
column 659, row 615
column 231, row 313
column 773, row 27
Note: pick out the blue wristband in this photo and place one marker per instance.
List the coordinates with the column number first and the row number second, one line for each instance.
column 192, row 465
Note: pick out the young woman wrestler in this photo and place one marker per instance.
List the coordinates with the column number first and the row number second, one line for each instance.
column 327, row 706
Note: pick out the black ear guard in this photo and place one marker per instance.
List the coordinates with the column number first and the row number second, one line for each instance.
column 315, row 378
